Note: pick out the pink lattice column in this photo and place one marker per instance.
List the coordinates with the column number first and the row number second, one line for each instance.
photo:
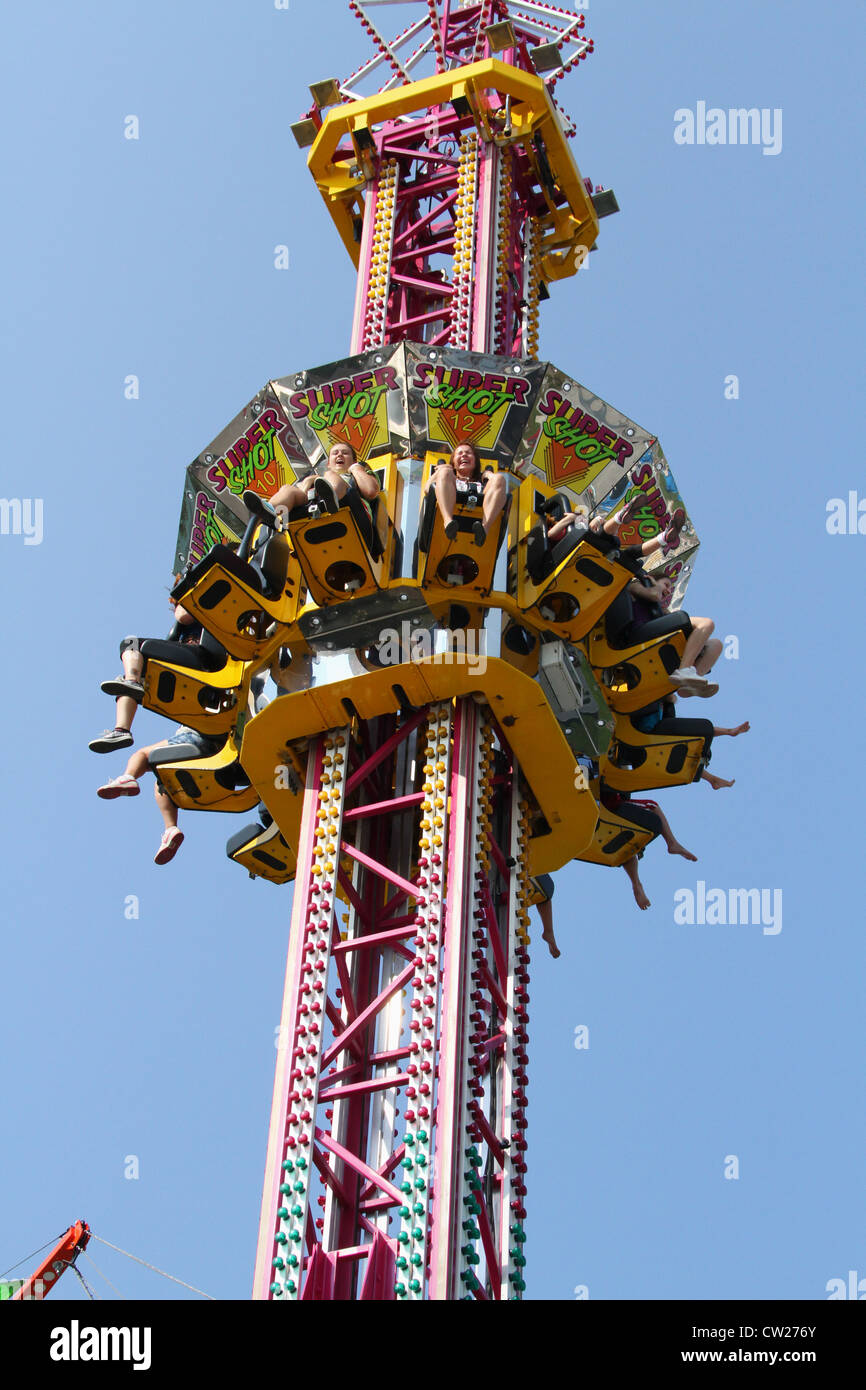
column 289, row 1166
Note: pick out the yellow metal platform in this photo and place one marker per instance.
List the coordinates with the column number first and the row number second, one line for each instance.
column 518, row 704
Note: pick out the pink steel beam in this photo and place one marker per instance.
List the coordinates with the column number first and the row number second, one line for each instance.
column 422, row 152
column 399, row 1104
column 453, row 1041
column 358, row 1165
column 350, row 1032
column 395, row 937
column 419, row 299
column 312, row 916
column 445, row 1089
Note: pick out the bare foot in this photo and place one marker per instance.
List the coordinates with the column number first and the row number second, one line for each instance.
column 718, row 782
column 551, row 943
column 741, row 729
column 640, row 896
column 677, row 848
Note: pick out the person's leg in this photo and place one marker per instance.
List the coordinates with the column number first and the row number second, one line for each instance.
column 167, row 808
column 125, row 708
column 649, row 816
column 545, row 912
column 127, row 783
column 133, row 669
column 172, row 838
column 673, row 844
column 445, row 485
column 687, row 728
column 716, row 782
column 139, row 761
column 133, row 664
column 337, row 481
column 494, row 498
column 702, row 631
column 292, row 495
column 707, row 658
column 637, row 887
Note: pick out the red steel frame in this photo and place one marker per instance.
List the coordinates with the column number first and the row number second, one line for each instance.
column 413, row 271
column 427, row 1202
column 396, row 1156
column 414, row 218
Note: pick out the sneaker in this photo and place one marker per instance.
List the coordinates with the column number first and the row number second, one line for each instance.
column 325, row 494
column 706, row 690
column 110, row 739
column 252, row 501
column 169, row 845
column 688, row 676
column 672, row 534
column 631, row 508
column 119, row 786
column 124, row 686
column 258, row 506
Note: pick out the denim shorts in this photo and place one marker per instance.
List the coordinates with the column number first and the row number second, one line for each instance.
column 204, row 744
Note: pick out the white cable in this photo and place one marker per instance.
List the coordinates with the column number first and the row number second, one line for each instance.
column 153, row 1267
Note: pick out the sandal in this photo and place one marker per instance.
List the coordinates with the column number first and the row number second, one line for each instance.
column 171, row 841
column 119, row 786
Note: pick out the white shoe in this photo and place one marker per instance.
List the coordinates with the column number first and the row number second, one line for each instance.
column 687, row 676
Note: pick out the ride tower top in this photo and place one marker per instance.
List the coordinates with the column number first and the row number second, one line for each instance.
column 453, row 186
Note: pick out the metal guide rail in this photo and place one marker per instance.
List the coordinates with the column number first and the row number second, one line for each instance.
column 395, row 1161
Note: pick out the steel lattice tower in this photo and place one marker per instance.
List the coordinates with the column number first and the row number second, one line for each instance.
column 396, row 1157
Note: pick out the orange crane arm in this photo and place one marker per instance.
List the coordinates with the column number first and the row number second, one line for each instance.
column 45, row 1277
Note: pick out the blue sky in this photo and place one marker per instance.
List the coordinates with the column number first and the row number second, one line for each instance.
column 154, row 1037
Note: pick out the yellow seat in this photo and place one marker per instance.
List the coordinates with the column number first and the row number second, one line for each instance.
column 616, row 840
column 334, row 557
column 203, row 700
column 566, row 587
column 637, row 762
column 459, row 565
column 263, row 852
column 344, row 554
column 520, row 647
column 637, row 675
column 196, row 783
column 245, row 603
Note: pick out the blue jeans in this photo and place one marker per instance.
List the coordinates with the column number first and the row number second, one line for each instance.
column 206, row 746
